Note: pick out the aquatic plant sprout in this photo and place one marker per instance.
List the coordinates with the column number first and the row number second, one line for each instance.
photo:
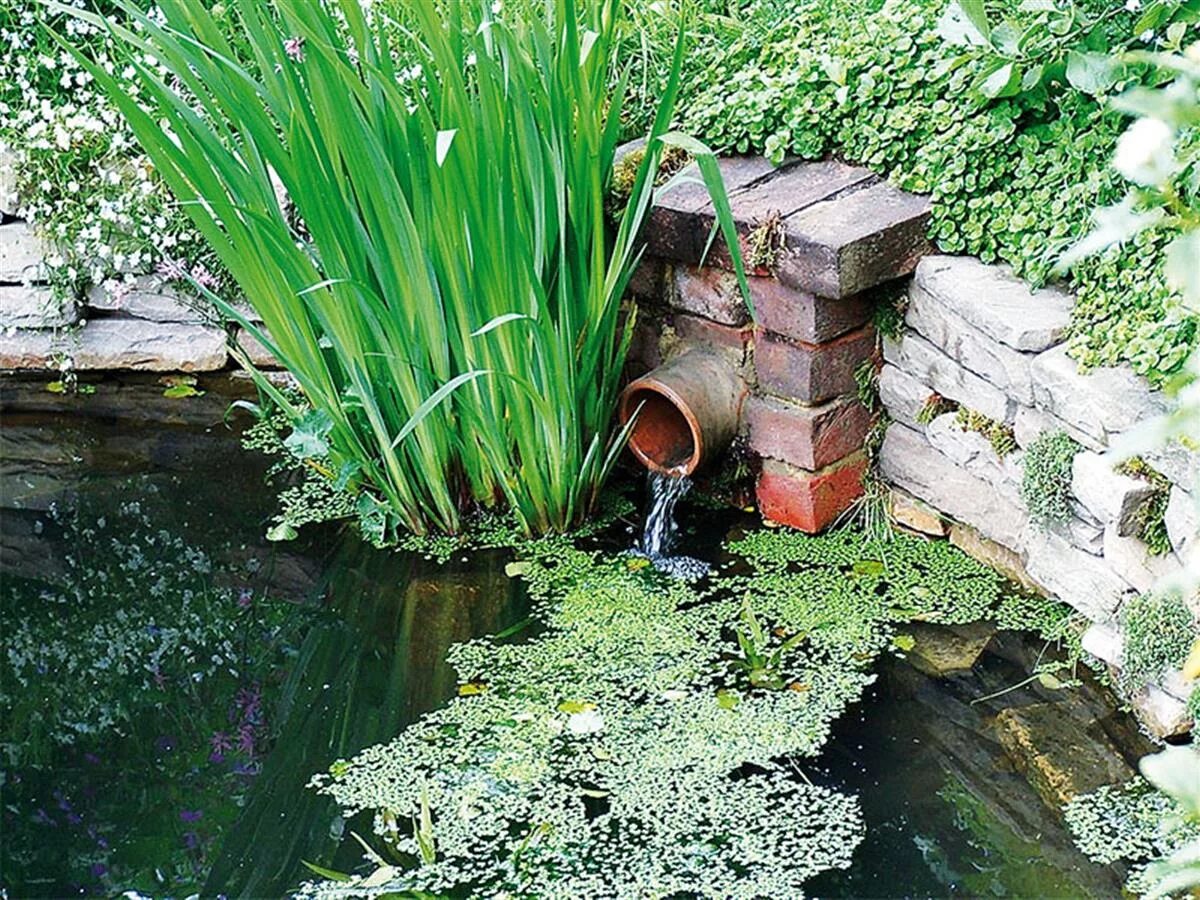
column 623, row 750
column 449, row 296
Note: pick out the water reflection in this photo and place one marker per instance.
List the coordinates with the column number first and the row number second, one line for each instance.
column 169, row 680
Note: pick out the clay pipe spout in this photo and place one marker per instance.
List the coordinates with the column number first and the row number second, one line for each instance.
column 687, row 412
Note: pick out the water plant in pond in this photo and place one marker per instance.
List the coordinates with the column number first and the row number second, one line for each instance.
column 629, row 744
column 451, row 305
column 1146, row 824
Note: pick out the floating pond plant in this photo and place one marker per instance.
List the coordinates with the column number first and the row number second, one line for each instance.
column 650, row 737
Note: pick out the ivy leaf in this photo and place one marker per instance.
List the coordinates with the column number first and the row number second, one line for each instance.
column 904, row 642
column 180, row 391
column 282, row 532
column 1092, row 73
column 964, row 23
column 1000, row 79
column 308, row 437
column 1048, row 681
column 1183, row 268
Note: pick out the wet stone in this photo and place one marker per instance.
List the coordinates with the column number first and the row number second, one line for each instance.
column 1059, row 758
column 941, row 651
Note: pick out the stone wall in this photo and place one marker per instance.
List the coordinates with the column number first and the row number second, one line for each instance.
column 144, row 324
column 977, row 337
column 973, row 336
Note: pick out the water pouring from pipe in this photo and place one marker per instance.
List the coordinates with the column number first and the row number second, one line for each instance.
column 687, row 413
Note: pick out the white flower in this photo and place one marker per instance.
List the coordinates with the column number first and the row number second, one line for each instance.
column 1144, row 153
column 587, row 722
column 1133, row 5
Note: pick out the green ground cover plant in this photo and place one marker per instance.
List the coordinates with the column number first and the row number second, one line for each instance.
column 642, row 699
column 1046, row 477
column 450, row 301
column 997, row 110
column 1159, row 631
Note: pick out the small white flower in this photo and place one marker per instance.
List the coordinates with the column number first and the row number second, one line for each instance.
column 587, row 722
column 1133, row 5
column 1145, row 154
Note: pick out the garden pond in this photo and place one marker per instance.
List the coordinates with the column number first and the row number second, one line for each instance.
column 171, row 682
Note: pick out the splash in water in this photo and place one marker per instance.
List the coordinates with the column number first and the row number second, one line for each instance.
column 661, row 532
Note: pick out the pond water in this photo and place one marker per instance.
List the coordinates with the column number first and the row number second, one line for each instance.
column 171, row 680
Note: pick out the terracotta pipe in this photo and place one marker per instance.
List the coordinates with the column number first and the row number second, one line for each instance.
column 687, row 412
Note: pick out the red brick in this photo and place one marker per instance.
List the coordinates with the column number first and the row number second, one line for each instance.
column 855, row 241
column 810, row 501
column 807, row 436
column 801, row 316
column 648, row 279
column 679, row 223
column 811, row 373
column 704, row 332
column 644, row 350
column 711, row 293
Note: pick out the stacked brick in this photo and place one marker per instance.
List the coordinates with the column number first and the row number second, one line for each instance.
column 825, row 238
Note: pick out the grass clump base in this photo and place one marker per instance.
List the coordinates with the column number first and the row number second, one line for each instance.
column 650, row 736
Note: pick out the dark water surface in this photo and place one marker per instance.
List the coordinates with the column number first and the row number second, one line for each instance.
column 171, row 680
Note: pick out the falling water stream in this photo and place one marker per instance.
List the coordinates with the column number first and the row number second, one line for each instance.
column 661, row 532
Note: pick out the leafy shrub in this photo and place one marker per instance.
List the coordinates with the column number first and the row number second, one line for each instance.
column 992, row 122
column 450, row 307
column 1046, row 479
column 1159, row 631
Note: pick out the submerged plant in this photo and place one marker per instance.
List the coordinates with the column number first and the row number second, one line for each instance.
column 450, row 301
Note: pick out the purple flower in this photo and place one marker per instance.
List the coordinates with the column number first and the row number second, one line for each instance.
column 245, row 597
column 246, row 739
column 191, row 815
column 41, row 817
column 98, row 870
column 294, row 48
column 220, row 742
column 172, row 269
column 191, row 840
column 74, row 819
column 203, row 277
column 91, row 759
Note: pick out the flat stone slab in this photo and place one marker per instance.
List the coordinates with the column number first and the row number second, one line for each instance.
column 916, row 515
column 975, row 453
column 1106, row 494
column 908, row 461
column 843, row 229
column 976, row 351
column 1059, row 758
column 1182, row 520
column 920, row 359
column 902, row 395
column 1101, row 402
column 149, row 297
column 1105, row 643
column 1084, row 582
column 943, row 650
column 1132, row 561
column 119, row 344
column 21, row 254
column 34, row 306
column 998, row 303
column 996, row 556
